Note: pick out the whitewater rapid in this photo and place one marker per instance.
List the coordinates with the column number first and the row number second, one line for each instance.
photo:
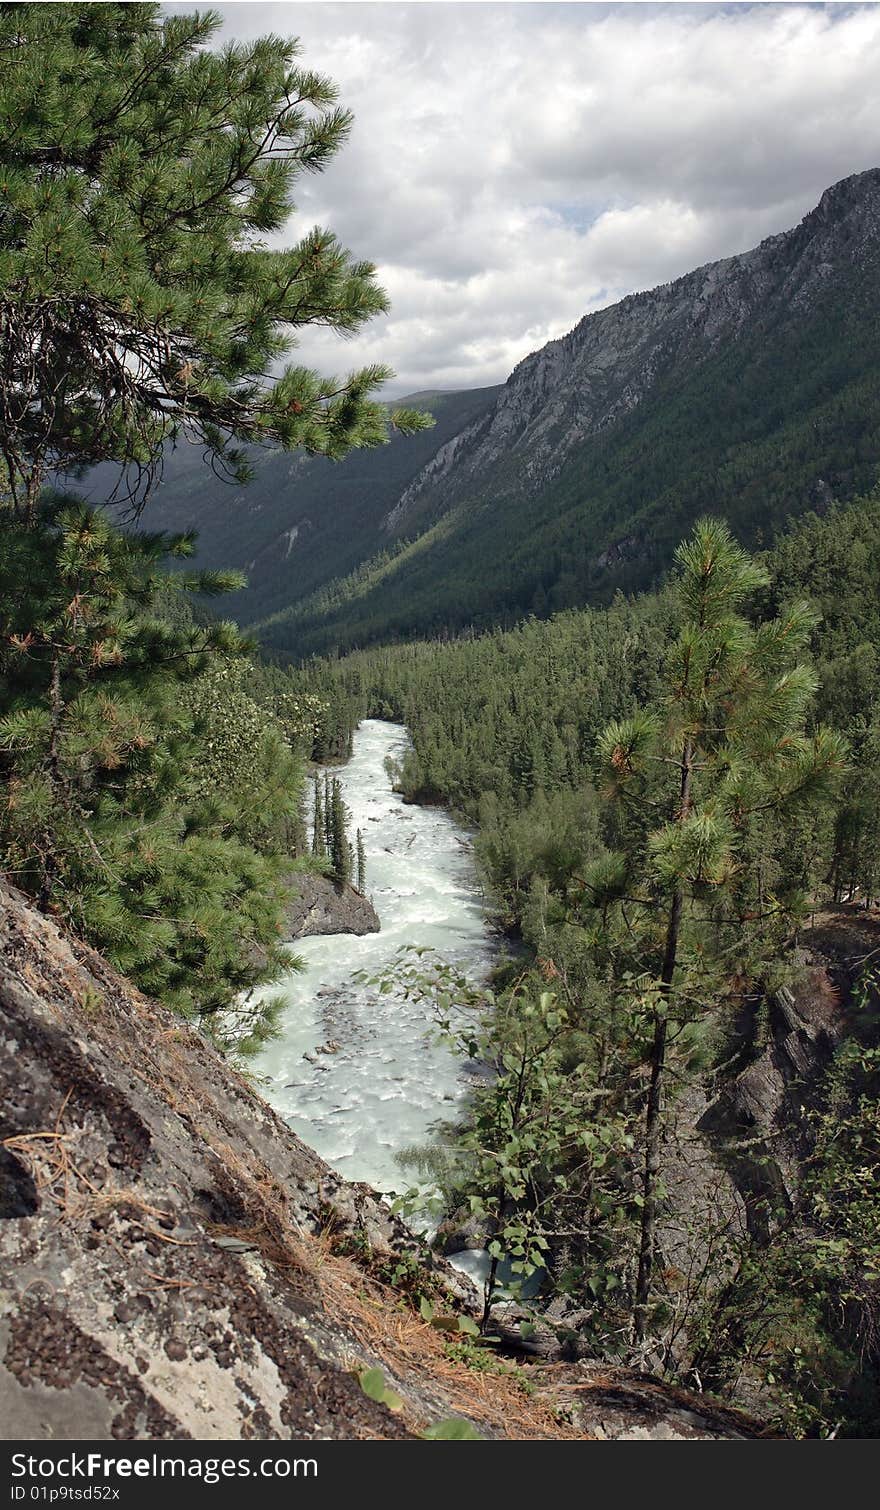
column 389, row 1081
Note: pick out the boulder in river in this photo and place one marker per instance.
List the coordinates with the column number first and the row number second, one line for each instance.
column 321, row 907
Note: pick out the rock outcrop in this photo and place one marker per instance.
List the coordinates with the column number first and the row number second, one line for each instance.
column 757, row 1123
column 176, row 1263
column 322, row 907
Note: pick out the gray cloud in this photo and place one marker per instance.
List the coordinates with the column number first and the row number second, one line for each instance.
column 514, row 166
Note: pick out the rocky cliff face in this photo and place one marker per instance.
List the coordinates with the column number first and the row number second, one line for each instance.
column 160, row 1244
column 175, row 1263
column 749, row 388
column 606, row 367
column 757, row 1122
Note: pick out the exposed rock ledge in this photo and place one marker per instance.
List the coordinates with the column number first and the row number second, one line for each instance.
column 176, row 1263
column 321, row 907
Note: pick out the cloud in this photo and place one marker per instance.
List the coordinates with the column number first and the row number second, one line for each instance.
column 514, row 166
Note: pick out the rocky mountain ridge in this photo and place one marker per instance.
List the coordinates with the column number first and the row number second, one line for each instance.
column 602, row 369
column 749, row 388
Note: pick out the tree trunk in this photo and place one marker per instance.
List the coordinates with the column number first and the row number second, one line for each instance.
column 56, row 711
column 654, row 1108
column 33, row 489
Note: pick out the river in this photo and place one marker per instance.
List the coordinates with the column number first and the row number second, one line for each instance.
column 389, row 1081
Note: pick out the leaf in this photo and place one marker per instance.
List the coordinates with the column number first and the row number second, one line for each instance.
column 372, row 1382
column 468, row 1326
column 445, row 1323
column 426, row 1308
column 452, row 1430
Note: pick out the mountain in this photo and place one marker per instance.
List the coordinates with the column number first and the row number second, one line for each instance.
column 301, row 520
column 750, row 387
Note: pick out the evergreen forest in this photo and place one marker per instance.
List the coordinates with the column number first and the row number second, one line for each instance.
column 652, row 699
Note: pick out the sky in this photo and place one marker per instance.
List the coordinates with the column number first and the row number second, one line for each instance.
column 514, row 166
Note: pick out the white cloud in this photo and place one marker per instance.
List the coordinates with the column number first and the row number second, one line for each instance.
column 514, row 166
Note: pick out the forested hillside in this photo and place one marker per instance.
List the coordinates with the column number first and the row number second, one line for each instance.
column 300, row 520
column 666, row 791
column 505, row 724
column 748, row 388
column 669, row 1148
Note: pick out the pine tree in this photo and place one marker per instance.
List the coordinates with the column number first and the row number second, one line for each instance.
column 328, row 816
column 361, row 863
column 855, row 865
column 145, row 810
column 725, row 757
column 319, row 839
column 340, row 848
column 141, row 176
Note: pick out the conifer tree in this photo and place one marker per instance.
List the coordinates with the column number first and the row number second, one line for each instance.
column 319, row 842
column 726, row 754
column 340, row 848
column 328, row 816
column 855, row 864
column 142, row 175
column 118, row 809
column 361, row 863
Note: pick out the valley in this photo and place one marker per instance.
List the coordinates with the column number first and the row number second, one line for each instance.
column 358, row 1073
column 439, row 834
column 748, row 387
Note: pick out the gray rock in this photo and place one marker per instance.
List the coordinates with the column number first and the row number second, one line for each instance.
column 172, row 1290
column 321, row 907
column 456, row 1233
column 758, row 1122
